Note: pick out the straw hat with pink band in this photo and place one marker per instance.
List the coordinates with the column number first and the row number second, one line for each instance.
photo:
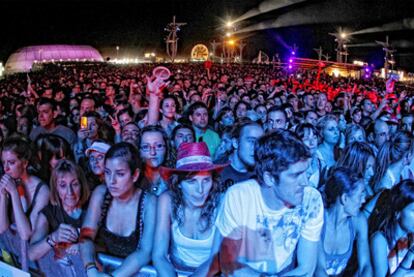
column 192, row 157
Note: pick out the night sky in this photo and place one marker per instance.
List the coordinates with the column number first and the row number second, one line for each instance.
column 138, row 26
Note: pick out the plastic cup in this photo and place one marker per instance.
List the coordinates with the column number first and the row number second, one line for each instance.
column 161, row 72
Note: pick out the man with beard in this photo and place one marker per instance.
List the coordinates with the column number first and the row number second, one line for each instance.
column 242, row 162
column 130, row 133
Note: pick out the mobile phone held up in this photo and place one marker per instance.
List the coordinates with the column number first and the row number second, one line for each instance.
column 84, row 122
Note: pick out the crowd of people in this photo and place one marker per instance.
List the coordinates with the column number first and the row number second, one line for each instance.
column 241, row 170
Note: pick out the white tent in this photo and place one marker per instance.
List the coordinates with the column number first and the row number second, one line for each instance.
column 22, row 60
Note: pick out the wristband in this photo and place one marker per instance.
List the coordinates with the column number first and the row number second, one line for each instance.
column 50, row 241
column 90, row 265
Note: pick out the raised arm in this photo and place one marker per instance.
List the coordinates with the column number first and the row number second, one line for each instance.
column 142, row 256
column 154, row 91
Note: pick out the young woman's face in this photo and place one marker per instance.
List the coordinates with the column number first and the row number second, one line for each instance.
column 12, row 165
column 153, row 149
column 75, row 115
column 69, row 189
column 355, row 199
column 55, row 159
column 4, row 130
column 196, row 188
column 331, row 132
column 118, row 177
column 227, row 119
column 93, row 128
column 262, row 112
column 241, row 111
column 226, row 143
column 341, row 122
column 356, row 117
column 96, row 163
column 369, row 169
column 407, row 218
column 356, row 136
column 169, row 108
column 310, row 139
column 23, row 126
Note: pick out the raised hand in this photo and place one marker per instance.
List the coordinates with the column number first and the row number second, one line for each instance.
column 115, row 124
column 155, row 86
column 83, row 133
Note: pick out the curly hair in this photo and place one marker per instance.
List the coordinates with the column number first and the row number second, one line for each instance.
column 208, row 211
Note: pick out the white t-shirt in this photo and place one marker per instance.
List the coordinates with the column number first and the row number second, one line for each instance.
column 268, row 237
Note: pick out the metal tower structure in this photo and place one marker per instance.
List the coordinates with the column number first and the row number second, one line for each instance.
column 214, row 45
column 242, row 44
column 389, row 56
column 341, row 39
column 171, row 40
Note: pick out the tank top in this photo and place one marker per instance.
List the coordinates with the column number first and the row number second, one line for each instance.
column 116, row 245
column 187, row 254
column 56, row 215
column 30, row 208
column 336, row 263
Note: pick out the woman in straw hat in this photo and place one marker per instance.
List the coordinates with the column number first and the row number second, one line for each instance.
column 186, row 213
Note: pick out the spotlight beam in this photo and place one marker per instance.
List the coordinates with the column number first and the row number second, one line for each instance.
column 405, row 24
column 325, row 12
column 267, row 6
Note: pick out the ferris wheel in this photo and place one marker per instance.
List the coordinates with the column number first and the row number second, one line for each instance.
column 199, row 53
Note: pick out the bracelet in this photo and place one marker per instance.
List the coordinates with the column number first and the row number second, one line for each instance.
column 90, row 265
column 50, row 241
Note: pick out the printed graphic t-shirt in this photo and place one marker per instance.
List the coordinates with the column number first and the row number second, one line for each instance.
column 268, row 237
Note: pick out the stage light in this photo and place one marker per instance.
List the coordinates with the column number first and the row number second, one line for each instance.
column 229, row 24
column 343, row 35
